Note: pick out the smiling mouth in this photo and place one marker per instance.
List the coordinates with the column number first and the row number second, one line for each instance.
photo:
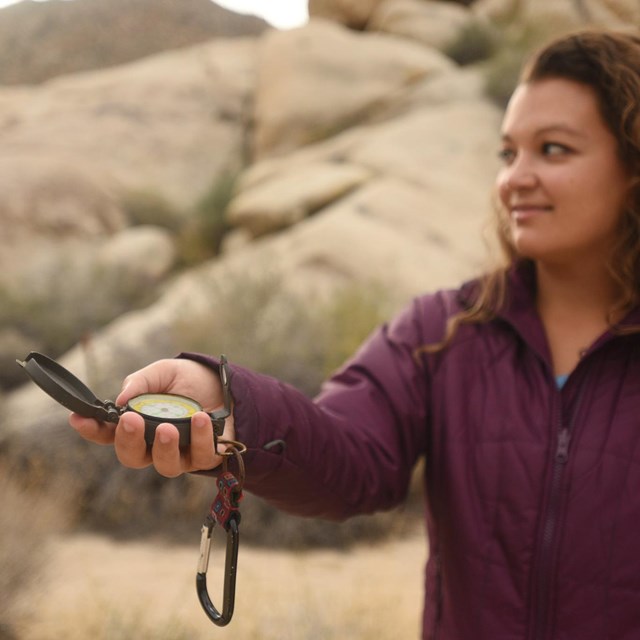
column 522, row 211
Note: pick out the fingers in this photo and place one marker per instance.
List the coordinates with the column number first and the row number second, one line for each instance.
column 166, row 454
column 134, row 385
column 92, row 430
column 202, row 453
column 157, row 376
column 170, row 461
column 129, row 443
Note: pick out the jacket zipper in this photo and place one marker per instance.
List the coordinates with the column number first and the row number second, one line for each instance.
column 546, row 551
column 544, row 573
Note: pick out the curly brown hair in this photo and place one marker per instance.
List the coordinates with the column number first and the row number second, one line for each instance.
column 609, row 63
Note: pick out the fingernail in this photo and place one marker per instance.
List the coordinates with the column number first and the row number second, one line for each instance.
column 164, row 438
column 199, row 422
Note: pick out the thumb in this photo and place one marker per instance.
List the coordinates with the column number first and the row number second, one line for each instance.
column 133, row 385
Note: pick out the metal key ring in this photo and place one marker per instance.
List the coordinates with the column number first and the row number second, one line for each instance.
column 234, row 448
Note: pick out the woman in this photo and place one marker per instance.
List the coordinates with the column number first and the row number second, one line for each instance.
column 521, row 389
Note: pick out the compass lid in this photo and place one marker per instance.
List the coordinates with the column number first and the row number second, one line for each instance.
column 66, row 389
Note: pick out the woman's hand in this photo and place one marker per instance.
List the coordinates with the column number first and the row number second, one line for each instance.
column 179, row 376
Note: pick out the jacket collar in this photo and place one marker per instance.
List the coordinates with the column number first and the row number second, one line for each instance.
column 519, row 308
column 520, row 313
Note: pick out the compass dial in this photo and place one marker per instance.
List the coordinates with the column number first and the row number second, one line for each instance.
column 164, row 406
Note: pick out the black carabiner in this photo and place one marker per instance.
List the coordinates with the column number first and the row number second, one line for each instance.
column 225, row 512
column 231, row 565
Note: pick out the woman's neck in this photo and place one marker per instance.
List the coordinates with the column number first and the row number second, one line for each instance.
column 576, row 291
column 575, row 305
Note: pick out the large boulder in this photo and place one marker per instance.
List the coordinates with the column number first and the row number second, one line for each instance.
column 562, row 14
column 434, row 24
column 50, row 204
column 168, row 124
column 293, row 195
column 354, row 14
column 316, row 81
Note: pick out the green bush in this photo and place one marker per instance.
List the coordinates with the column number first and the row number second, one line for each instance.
column 519, row 40
column 257, row 323
column 501, row 75
column 201, row 238
column 260, row 324
column 148, row 207
column 476, row 41
column 55, row 316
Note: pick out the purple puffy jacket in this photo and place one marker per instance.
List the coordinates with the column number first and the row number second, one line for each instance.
column 533, row 494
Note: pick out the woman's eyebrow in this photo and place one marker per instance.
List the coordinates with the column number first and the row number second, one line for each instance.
column 561, row 128
column 550, row 129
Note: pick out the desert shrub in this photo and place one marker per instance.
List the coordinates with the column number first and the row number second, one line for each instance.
column 259, row 323
column 199, row 230
column 148, row 207
column 261, row 326
column 81, row 299
column 501, row 75
column 200, row 239
column 132, row 504
column 476, row 41
column 265, row 526
column 519, row 40
column 27, row 520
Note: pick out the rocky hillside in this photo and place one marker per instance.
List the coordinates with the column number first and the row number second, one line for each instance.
column 224, row 196
column 41, row 40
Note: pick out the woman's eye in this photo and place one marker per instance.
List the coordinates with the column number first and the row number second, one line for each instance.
column 554, row 149
column 506, row 155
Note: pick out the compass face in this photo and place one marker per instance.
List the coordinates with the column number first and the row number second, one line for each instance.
column 164, row 406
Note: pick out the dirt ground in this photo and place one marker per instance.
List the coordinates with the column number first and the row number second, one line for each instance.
column 103, row 590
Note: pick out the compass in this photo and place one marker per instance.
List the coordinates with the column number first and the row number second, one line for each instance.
column 155, row 408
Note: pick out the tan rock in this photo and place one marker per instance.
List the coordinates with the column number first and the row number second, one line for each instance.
column 447, row 149
column 434, row 24
column 372, row 237
column 50, row 205
column 292, row 195
column 316, row 81
column 563, row 14
column 352, row 13
column 55, row 196
column 167, row 124
column 143, row 254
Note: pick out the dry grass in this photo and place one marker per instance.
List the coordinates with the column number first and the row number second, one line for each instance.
column 27, row 519
column 102, row 590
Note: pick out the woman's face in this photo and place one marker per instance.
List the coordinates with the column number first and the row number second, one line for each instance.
column 562, row 185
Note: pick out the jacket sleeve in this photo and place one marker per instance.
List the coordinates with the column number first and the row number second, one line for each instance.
column 350, row 450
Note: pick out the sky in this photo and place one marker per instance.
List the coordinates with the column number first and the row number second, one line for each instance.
column 283, row 14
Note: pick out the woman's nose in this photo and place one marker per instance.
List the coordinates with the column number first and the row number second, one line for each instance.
column 520, row 174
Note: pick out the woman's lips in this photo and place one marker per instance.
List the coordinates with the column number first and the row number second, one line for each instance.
column 524, row 212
